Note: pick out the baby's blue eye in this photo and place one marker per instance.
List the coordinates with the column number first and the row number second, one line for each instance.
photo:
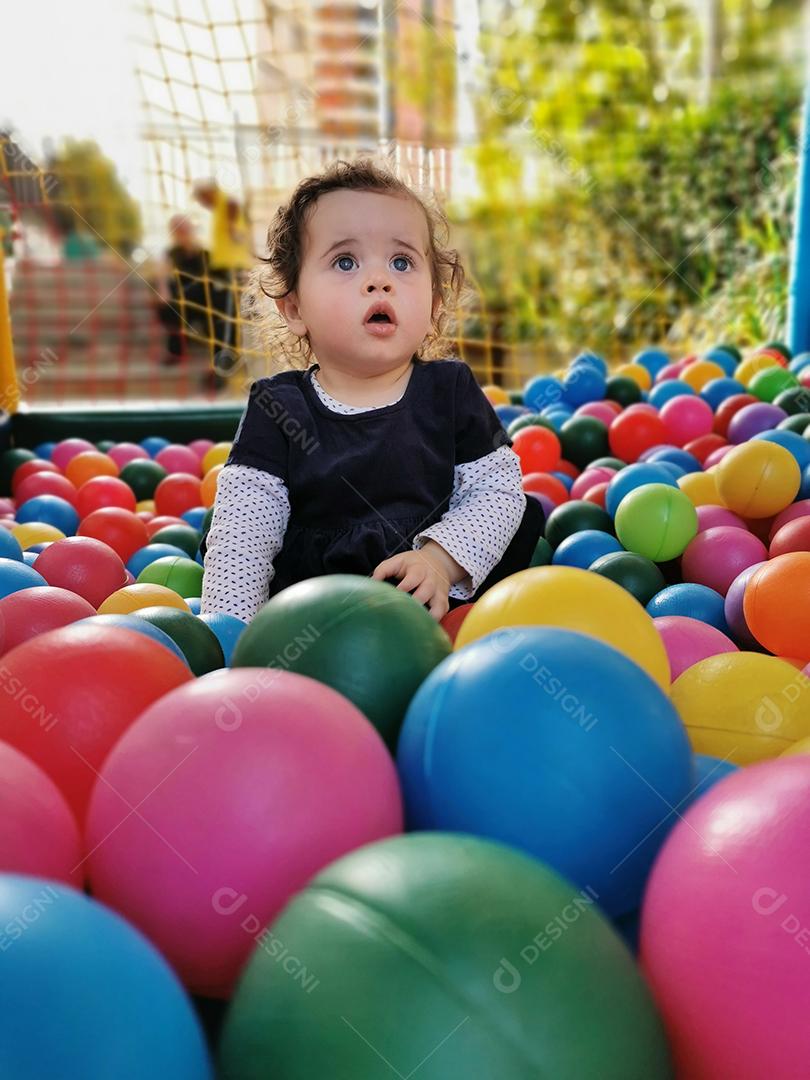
column 342, row 261
column 401, row 259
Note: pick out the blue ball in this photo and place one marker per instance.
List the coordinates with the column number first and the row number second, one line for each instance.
column 726, row 360
column 44, row 450
column 39, row 548
column 795, row 444
column 227, row 630
column 583, row 762
column 583, row 383
column 634, row 476
column 671, row 455
column 541, row 391
column 30, row 557
column 50, row 509
column 139, row 626
column 667, row 390
column 149, row 554
column 16, row 575
column 804, row 490
column 153, row 444
column 654, row 360
column 9, row 546
column 195, row 516
column 193, row 604
column 591, row 360
column 675, row 471
column 557, row 415
column 505, row 413
column 694, row 601
column 84, row 995
column 566, row 480
column 716, row 391
column 584, row 547
column 799, row 362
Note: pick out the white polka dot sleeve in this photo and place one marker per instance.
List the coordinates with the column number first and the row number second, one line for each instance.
column 251, row 513
column 485, row 510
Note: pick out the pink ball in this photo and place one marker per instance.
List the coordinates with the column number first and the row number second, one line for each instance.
column 200, row 447
column 725, row 929
column 709, row 517
column 670, row 371
column 38, row 832
column 252, row 780
column 179, row 459
column 125, row 452
column 67, row 449
column 716, row 456
column 590, row 478
column 687, row 417
column 790, row 513
column 6, row 506
column 29, row 612
column 599, row 410
column 715, row 557
column 688, row 641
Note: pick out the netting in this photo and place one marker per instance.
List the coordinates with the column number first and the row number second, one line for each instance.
column 616, row 176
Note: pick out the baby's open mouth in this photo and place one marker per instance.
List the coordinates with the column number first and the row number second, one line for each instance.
column 379, row 316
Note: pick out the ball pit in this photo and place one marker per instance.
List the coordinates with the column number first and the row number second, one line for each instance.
column 716, row 556
column 689, row 641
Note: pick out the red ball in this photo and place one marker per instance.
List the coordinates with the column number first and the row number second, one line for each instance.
column 161, row 521
column 705, row 445
column 634, row 431
column 30, row 612
column 80, row 687
column 30, row 468
column 452, row 621
column 177, row 493
column 537, row 447
column 550, row 486
column 566, row 467
column 794, row 536
column 46, row 483
column 84, row 566
column 728, row 409
column 120, row 529
column 103, row 491
column 597, row 494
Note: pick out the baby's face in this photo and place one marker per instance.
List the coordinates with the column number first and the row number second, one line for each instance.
column 364, row 250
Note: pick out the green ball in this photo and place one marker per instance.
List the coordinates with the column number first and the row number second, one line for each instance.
column 195, row 639
column 438, row 956
column 798, row 422
column 795, row 400
column 625, row 391
column 732, row 349
column 9, row 462
column 770, row 383
column 542, row 553
column 105, row 445
column 182, row 536
column 571, row 517
column 531, row 420
column 143, row 476
column 183, row 576
column 640, row 577
column 609, row 463
column 583, row 438
column 780, row 347
column 515, row 397
column 371, row 642
column 656, row 521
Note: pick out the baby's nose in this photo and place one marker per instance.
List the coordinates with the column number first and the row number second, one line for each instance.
column 378, row 283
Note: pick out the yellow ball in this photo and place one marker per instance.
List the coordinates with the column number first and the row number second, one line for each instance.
column 802, row 746
column 701, row 487
column 743, row 706
column 758, row 479
column 35, row 532
column 496, row 395
column 746, row 370
column 135, row 597
column 574, row 600
column 701, row 372
column 637, row 372
column 146, row 504
column 217, row 455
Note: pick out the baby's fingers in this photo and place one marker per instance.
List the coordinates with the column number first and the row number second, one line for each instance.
column 388, row 568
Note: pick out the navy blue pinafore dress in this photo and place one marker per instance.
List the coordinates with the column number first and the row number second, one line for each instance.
column 363, row 485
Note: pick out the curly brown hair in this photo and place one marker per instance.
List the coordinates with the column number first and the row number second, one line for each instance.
column 281, row 270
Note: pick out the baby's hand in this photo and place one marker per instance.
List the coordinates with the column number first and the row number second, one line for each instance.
column 426, row 574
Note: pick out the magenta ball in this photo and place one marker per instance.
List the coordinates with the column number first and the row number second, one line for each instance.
column 735, row 616
column 670, row 371
column 179, row 459
column 67, row 449
column 251, row 781
column 716, row 456
column 200, row 447
column 790, row 513
column 752, row 419
column 687, row 417
column 38, row 830
column 123, row 453
column 688, row 641
column 590, row 478
column 599, row 410
column 725, row 927
column 715, row 557
column 6, row 506
column 709, row 517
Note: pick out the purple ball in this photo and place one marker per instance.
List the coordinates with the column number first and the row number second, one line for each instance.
column 544, row 501
column 752, row 419
column 735, row 617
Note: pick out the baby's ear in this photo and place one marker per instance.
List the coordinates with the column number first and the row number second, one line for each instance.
column 290, row 313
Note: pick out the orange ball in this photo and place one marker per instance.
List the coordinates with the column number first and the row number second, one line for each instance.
column 550, row 486
column 208, row 488
column 496, row 395
column 776, row 605
column 89, row 464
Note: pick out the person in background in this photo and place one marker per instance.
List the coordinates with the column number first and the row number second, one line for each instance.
column 182, row 287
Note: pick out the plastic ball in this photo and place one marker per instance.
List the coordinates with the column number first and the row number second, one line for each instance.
column 46, row 483
column 689, row 641
column 793, row 536
column 654, row 360
column 733, row 608
column 598, row 410
column 759, row 479
column 176, row 458
column 29, row 468
column 572, row 599
column 538, row 392
column 693, row 601
column 623, row 390
column 67, row 449
column 545, row 484
column 573, row 517
column 153, row 444
column 537, row 448
column 752, row 365
column 686, row 418
column 51, row 510
column 104, row 491
column 656, row 521
column 790, row 441
column 196, row 640
column 195, row 517
column 790, row 513
column 701, row 372
column 16, row 575
column 179, row 535
column 123, row 453
column 715, row 392
column 133, row 597
column 201, row 447
column 292, row 774
column 583, row 383
column 531, row 801
column 777, row 605
column 670, row 455
column 82, row 687
column 638, row 575
column 700, row 488
column 35, row 532
column 228, row 629
column 9, row 547
column 637, row 372
column 29, row 612
column 743, row 706
column 631, row 434
column 583, row 439
column 181, row 574
column 794, row 400
column 668, row 391
column 715, row 557
column 583, row 548
column 373, row 643
column 82, row 565
column 89, row 464
column 769, row 383
column 177, row 493
column 635, row 476
column 496, row 394
column 709, row 517
column 119, row 529
column 540, row 557
column 138, row 626
column 752, row 419
column 143, row 477
column 208, row 488
column 728, row 409
column 418, row 886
